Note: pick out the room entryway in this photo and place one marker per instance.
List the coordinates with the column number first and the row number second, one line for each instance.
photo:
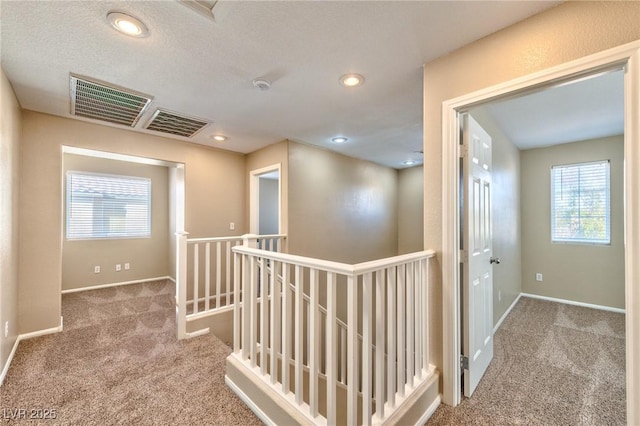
column 579, row 377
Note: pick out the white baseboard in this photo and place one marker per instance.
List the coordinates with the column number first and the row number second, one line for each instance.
column 39, row 333
column 572, row 302
column 5, row 370
column 26, row 336
column 253, row 407
column 432, row 409
column 499, row 323
column 96, row 287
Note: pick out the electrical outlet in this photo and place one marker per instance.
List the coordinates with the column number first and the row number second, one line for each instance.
column 538, row 276
column 127, row 266
column 118, row 267
column 96, row 269
column 499, row 295
column 232, row 226
column 6, row 329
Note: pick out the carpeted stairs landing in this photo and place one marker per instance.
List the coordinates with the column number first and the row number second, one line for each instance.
column 118, row 362
column 554, row 364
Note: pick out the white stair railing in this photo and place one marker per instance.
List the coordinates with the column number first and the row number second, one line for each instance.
column 292, row 332
column 204, row 281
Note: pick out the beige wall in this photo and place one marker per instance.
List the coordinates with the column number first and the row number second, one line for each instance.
column 148, row 257
column 410, row 210
column 581, row 272
column 10, row 135
column 505, row 200
column 211, row 176
column 340, row 208
column 569, row 31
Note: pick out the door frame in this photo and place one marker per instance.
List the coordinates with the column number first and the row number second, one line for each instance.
column 626, row 56
column 254, row 197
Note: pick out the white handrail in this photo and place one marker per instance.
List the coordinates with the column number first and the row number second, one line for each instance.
column 204, row 278
column 336, row 267
column 380, row 355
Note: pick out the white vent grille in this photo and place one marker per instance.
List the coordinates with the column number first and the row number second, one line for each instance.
column 105, row 102
column 175, row 124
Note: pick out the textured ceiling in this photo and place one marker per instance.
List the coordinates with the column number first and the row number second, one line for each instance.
column 588, row 108
column 204, row 68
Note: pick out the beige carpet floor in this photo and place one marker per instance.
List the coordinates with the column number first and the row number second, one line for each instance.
column 554, row 364
column 118, row 362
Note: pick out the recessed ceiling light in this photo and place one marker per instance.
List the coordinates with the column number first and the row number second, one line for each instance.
column 352, row 80
column 219, row 138
column 340, row 139
column 127, row 24
column 409, row 162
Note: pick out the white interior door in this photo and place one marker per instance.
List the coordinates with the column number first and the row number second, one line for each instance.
column 477, row 280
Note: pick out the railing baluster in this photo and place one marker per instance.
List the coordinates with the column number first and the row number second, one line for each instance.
column 207, row 275
column 254, row 310
column 425, row 313
column 417, row 299
column 275, row 320
column 314, row 336
column 218, row 272
column 237, row 301
column 410, row 324
column 391, row 337
column 380, row 320
column 196, row 276
column 299, row 288
column 227, row 296
column 264, row 325
column 352, row 350
column 331, row 349
column 367, row 316
column 343, row 356
column 286, row 327
column 401, row 330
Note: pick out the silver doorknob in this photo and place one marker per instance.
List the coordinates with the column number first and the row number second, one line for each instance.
column 495, row 260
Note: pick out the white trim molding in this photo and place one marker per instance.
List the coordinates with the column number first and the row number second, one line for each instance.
column 22, row 337
column 253, row 407
column 626, row 57
column 97, row 287
column 254, row 196
column 5, row 370
column 432, row 409
column 507, row 312
column 573, row 302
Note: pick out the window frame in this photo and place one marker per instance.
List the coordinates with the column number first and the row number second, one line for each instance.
column 68, row 193
column 583, row 241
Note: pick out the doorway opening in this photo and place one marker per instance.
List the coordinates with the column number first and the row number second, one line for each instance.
column 626, row 57
column 124, row 212
column 265, row 200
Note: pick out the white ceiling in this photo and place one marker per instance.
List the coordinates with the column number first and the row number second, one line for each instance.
column 195, row 66
column 587, row 108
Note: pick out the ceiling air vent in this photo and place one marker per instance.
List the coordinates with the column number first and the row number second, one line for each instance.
column 175, row 124
column 106, row 102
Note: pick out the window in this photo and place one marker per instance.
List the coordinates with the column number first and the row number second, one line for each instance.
column 580, row 203
column 107, row 206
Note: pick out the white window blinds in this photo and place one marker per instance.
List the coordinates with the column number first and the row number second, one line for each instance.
column 580, row 203
column 107, row 206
